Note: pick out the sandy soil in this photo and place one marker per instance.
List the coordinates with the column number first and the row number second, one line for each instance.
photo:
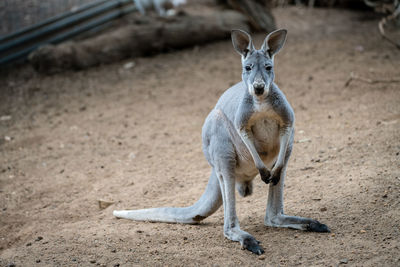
column 133, row 137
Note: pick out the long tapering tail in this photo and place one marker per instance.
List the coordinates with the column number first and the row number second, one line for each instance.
column 208, row 203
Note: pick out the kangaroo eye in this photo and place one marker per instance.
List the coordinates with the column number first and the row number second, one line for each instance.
column 268, row 67
column 248, row 68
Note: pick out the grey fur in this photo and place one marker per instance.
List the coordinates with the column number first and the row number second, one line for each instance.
column 249, row 131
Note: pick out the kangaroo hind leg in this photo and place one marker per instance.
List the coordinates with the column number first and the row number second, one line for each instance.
column 232, row 231
column 275, row 215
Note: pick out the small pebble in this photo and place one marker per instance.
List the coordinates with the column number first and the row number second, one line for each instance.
column 38, row 238
column 38, row 260
column 92, row 261
column 129, row 65
column 262, row 257
column 344, row 261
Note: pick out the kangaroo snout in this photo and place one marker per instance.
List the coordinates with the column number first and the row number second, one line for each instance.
column 259, row 88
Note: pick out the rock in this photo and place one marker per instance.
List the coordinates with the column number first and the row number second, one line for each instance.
column 103, row 204
column 261, row 257
column 343, row 261
column 129, row 65
column 5, row 118
column 132, row 155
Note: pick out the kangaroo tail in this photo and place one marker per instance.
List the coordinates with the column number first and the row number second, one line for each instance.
column 208, row 203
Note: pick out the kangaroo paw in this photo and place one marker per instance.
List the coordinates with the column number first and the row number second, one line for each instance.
column 251, row 244
column 265, row 175
column 276, row 175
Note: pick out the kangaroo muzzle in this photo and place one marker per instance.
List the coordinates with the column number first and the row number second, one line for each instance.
column 259, row 88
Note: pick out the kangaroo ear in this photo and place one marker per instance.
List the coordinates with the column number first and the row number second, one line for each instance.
column 242, row 42
column 274, row 42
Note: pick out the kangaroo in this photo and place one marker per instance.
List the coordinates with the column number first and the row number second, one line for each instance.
column 164, row 8
column 249, row 131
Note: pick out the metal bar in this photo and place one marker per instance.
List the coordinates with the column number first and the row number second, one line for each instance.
column 64, row 36
column 51, row 20
column 64, row 23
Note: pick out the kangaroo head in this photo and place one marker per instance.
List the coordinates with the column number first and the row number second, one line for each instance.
column 258, row 65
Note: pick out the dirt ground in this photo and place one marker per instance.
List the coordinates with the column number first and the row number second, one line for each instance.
column 133, row 136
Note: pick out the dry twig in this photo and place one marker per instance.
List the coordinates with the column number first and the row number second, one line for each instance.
column 367, row 80
column 382, row 23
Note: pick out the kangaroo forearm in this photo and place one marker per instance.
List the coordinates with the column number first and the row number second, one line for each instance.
column 247, row 138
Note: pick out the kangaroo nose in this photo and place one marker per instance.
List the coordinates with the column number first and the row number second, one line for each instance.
column 259, row 88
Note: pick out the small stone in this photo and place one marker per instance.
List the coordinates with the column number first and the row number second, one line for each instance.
column 113, row 250
column 38, row 260
column 129, row 65
column 103, row 204
column 343, row 261
column 139, row 231
column 29, row 244
column 261, row 257
column 5, row 118
column 132, row 155
column 363, row 231
column 92, row 261
column 7, row 138
column 333, row 235
column 38, row 238
column 323, row 209
column 116, row 265
column 185, row 238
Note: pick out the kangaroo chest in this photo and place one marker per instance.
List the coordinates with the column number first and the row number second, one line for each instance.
column 265, row 129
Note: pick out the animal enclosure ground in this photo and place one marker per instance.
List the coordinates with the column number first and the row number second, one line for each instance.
column 133, row 136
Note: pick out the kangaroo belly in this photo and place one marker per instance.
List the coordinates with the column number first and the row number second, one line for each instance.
column 266, row 135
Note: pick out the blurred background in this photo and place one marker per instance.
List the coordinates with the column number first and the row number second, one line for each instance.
column 29, row 25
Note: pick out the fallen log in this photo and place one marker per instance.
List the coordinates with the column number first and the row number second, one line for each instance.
column 258, row 12
column 137, row 40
